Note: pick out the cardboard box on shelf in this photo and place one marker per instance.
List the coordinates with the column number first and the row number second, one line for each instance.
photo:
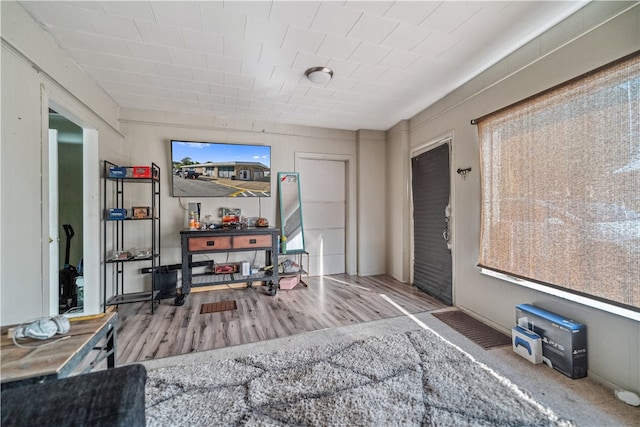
column 142, row 171
column 117, row 172
column 116, row 213
column 289, row 282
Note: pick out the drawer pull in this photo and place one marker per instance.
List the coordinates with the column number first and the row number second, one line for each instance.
column 253, row 241
column 211, row 242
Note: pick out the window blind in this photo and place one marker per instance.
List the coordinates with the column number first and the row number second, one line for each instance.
column 561, row 186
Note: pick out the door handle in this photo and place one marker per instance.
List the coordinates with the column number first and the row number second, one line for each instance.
column 445, row 233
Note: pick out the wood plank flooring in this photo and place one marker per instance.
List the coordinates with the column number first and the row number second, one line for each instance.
column 327, row 302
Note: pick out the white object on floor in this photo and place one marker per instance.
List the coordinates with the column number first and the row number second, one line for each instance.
column 628, row 397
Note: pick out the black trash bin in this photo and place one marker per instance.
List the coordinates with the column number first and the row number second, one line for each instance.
column 166, row 282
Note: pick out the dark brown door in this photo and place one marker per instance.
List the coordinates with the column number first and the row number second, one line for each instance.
column 432, row 257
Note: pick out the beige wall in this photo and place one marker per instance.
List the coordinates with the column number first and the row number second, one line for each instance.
column 35, row 73
column 584, row 41
column 20, row 215
column 398, row 202
column 372, row 196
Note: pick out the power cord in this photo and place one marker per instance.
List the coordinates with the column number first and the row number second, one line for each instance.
column 182, row 205
column 17, row 344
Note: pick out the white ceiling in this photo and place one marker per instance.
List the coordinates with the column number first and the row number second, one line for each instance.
column 246, row 60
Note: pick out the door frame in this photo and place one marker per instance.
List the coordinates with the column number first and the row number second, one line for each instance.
column 350, row 195
column 51, row 98
column 54, row 234
column 446, row 138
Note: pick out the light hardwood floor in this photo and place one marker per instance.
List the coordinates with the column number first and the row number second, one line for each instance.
column 327, row 302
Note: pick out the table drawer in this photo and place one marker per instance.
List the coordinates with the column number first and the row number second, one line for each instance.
column 248, row 242
column 209, row 243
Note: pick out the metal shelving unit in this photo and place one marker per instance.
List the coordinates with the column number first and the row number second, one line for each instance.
column 114, row 235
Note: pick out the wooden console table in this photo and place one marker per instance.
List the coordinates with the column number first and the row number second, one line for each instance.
column 59, row 359
column 224, row 241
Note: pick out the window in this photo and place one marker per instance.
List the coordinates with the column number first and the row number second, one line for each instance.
column 561, row 186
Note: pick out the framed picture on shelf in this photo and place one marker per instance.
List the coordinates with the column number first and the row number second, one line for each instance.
column 140, row 212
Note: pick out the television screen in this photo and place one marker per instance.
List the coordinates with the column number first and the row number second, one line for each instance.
column 213, row 169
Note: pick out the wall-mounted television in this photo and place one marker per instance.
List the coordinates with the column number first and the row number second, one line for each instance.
column 214, row 169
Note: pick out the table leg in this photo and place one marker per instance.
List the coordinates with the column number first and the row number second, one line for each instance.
column 110, row 348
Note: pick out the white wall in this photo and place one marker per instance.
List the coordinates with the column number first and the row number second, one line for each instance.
column 34, row 72
column 22, row 222
column 579, row 44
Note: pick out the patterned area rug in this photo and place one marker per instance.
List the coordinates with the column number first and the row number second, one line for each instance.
column 410, row 379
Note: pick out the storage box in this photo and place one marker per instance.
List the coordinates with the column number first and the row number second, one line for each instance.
column 564, row 341
column 119, row 255
column 166, row 282
column 117, row 172
column 114, row 213
column 527, row 344
column 141, row 171
column 289, row 282
column 228, row 268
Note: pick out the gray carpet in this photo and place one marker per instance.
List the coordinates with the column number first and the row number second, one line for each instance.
column 409, row 378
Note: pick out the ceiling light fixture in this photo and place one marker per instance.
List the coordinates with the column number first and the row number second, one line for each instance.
column 319, row 75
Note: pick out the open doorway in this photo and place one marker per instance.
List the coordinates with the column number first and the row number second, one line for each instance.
column 66, row 216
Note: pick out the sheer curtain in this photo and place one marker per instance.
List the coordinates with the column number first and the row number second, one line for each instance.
column 561, row 186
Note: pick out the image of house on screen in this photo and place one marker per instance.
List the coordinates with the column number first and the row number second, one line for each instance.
column 242, row 171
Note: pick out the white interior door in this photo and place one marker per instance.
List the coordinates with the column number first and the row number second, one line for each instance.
column 324, row 205
column 54, row 235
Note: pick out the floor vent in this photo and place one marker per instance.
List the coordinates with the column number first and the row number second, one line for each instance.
column 214, row 307
column 481, row 334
